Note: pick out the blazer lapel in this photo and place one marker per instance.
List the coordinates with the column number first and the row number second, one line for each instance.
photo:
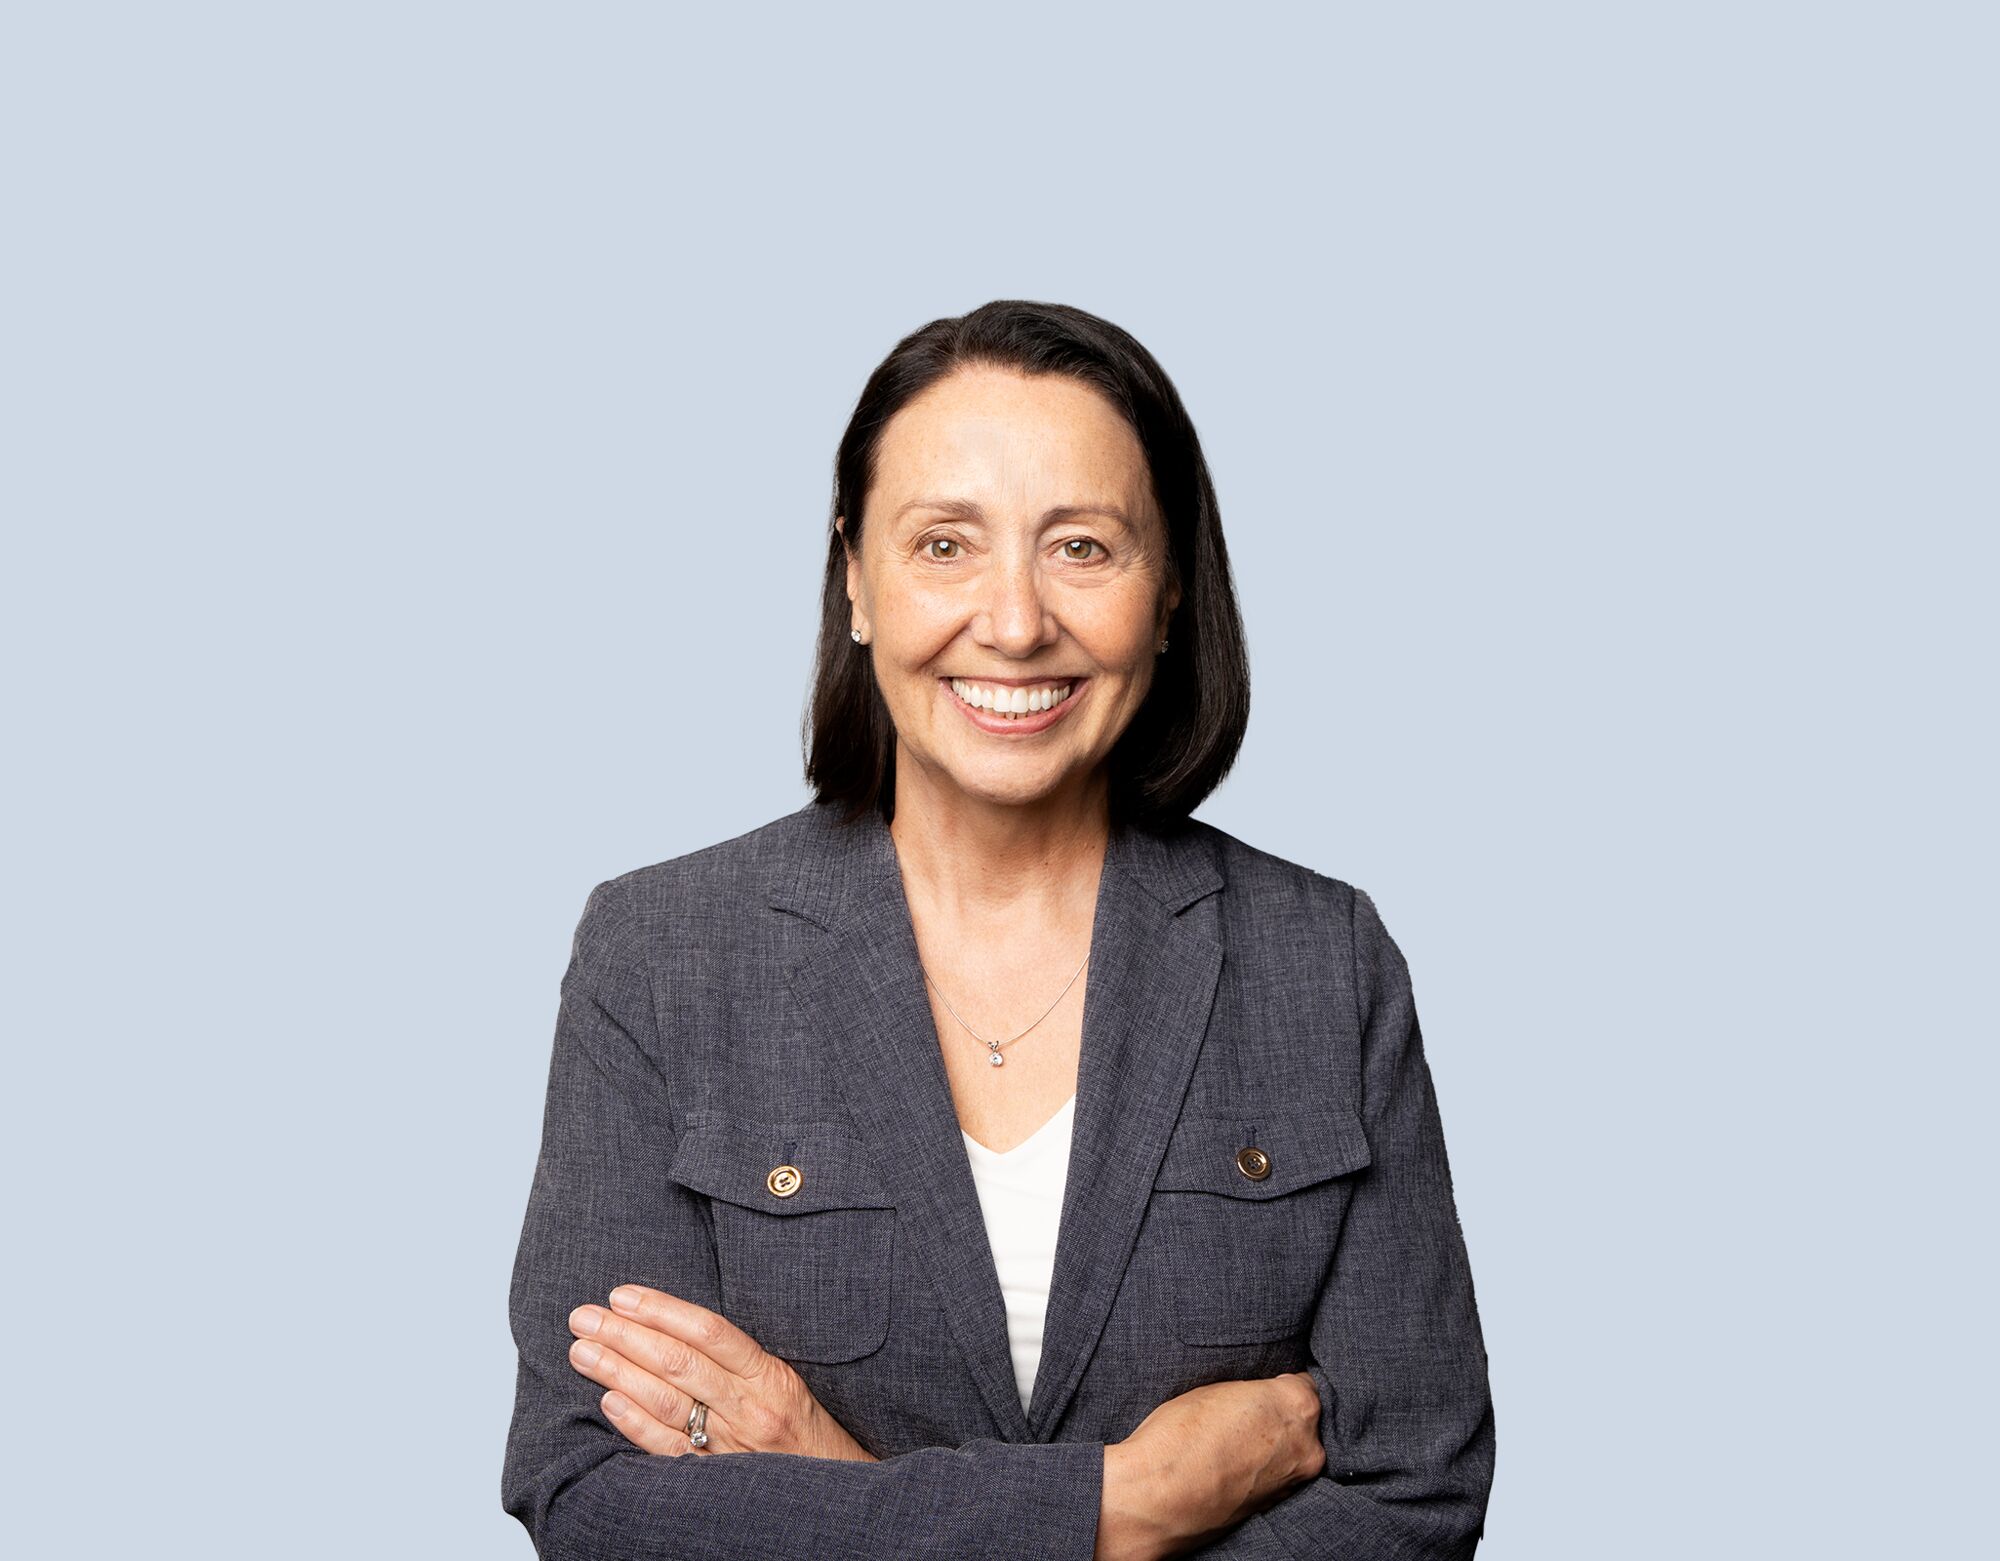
column 1145, row 1010
column 1151, row 983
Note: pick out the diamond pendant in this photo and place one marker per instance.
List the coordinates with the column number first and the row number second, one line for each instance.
column 993, row 1054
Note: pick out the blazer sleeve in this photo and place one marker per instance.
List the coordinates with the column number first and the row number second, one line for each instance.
column 602, row 1212
column 1406, row 1415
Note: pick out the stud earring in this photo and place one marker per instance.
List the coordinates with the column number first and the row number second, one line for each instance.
column 1163, row 644
column 855, row 635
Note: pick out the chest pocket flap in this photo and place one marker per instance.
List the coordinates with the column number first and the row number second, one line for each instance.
column 732, row 1158
column 1299, row 1147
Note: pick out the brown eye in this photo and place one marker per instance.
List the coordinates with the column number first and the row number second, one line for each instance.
column 942, row 542
column 1080, row 542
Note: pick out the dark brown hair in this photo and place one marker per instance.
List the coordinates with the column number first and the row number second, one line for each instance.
column 1185, row 737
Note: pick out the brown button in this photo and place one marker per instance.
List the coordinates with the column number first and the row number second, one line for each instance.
column 1253, row 1163
column 784, row 1180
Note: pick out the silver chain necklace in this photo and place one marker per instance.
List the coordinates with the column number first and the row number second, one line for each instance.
column 993, row 1047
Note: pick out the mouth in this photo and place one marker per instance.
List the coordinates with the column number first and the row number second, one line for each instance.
column 1014, row 709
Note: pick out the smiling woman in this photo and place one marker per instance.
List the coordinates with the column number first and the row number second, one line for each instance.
column 785, row 1287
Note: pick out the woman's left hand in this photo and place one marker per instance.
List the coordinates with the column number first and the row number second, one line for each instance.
column 657, row 1354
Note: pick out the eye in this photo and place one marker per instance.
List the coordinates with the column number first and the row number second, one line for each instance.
column 950, row 542
column 1082, row 558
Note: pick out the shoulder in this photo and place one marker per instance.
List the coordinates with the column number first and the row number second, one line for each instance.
column 1264, row 882
column 1274, row 896
column 703, row 887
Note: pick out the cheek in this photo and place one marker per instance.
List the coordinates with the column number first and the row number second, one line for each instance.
column 916, row 616
column 1119, row 635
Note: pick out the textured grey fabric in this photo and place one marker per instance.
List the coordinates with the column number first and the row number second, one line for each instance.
column 760, row 1002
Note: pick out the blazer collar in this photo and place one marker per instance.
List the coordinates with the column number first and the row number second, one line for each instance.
column 1152, row 981
column 831, row 865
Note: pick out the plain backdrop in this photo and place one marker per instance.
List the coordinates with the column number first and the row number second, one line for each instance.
column 418, row 429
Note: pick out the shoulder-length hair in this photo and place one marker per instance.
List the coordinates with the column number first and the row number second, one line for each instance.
column 1185, row 736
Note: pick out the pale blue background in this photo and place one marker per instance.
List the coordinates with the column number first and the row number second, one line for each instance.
column 419, row 424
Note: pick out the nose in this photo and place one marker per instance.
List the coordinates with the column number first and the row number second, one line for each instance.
column 1017, row 617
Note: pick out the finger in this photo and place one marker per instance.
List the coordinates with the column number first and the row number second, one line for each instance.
column 642, row 1429
column 661, row 1402
column 708, row 1331
column 665, row 1355
column 662, row 1365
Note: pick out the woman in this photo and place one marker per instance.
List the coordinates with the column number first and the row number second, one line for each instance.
column 988, row 1159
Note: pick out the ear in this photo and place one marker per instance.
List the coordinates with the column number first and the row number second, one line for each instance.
column 853, row 561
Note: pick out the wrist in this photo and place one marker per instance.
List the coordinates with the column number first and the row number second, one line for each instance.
column 1129, row 1526
column 831, row 1439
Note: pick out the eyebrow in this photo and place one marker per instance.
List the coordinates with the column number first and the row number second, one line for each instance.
column 971, row 511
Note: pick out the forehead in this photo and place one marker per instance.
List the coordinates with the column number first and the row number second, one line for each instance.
column 989, row 434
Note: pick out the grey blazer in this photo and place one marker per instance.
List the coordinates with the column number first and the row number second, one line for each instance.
column 759, row 1002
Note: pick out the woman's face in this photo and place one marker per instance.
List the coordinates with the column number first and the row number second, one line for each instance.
column 1012, row 544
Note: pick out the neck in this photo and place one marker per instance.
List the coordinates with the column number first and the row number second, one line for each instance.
column 970, row 856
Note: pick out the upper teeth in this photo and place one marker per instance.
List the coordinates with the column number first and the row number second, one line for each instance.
column 1002, row 700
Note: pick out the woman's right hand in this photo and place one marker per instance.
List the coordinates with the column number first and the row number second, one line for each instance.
column 1203, row 1462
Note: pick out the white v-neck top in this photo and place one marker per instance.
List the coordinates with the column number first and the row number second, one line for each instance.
column 1021, row 1196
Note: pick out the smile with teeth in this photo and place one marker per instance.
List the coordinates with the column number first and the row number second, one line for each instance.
column 1004, row 701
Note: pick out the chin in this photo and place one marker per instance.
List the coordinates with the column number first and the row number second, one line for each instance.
column 1015, row 790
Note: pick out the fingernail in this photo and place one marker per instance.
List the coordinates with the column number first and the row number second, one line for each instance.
column 614, row 1405
column 584, row 1319
column 585, row 1353
column 625, row 1300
